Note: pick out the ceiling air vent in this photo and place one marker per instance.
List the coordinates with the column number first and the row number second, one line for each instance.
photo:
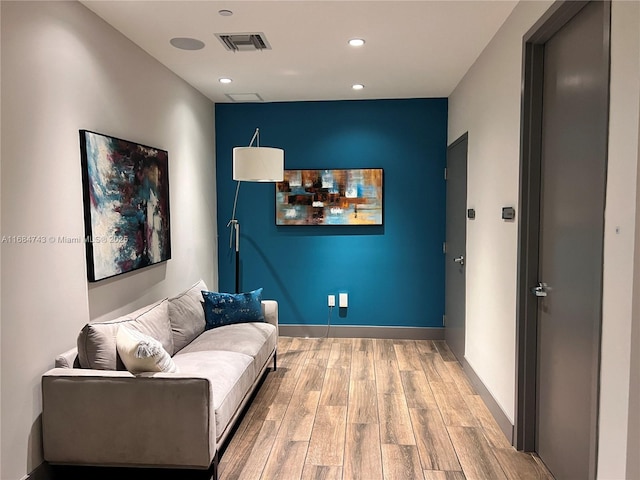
column 244, row 97
column 244, row 42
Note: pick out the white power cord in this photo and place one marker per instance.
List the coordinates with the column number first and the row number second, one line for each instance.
column 329, row 322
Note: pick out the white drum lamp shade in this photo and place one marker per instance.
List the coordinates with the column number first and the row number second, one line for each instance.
column 252, row 164
column 258, row 164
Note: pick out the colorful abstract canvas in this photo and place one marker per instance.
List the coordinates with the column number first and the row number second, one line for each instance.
column 330, row 197
column 126, row 205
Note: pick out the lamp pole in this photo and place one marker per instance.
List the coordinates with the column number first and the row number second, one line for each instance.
column 236, row 227
column 235, row 230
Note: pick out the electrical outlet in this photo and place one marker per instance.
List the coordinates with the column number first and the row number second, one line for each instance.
column 331, row 300
column 344, row 300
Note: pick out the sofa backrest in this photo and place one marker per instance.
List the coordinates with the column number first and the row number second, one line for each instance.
column 97, row 341
column 174, row 322
column 186, row 315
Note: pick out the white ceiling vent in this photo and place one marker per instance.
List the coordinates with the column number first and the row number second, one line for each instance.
column 244, row 42
column 244, row 97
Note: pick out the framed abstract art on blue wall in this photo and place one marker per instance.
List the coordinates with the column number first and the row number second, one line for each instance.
column 126, row 205
column 330, row 197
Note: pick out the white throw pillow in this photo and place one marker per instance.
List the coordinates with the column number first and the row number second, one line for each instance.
column 142, row 353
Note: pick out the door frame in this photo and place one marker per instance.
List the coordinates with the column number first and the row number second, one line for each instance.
column 529, row 225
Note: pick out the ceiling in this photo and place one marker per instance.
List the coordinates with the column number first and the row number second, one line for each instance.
column 413, row 49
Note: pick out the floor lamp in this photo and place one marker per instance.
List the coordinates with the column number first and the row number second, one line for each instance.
column 252, row 164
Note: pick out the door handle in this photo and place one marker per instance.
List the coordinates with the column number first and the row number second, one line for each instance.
column 459, row 260
column 540, row 290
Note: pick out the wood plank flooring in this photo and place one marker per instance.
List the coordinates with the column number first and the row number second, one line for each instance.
column 351, row 409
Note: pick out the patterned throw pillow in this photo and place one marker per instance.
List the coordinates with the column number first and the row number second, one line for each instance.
column 227, row 308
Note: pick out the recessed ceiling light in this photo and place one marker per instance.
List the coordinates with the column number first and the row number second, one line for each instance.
column 225, row 80
column 184, row 43
column 357, row 86
column 356, row 42
column 225, row 12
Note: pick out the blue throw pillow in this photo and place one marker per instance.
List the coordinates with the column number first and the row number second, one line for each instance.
column 227, row 308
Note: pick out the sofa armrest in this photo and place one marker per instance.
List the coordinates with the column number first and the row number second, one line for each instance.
column 68, row 359
column 103, row 417
column 270, row 312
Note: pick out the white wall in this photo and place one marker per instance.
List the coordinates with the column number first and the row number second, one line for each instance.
column 486, row 103
column 0, row 262
column 633, row 436
column 619, row 248
column 64, row 69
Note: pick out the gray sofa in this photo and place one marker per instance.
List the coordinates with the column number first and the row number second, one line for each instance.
column 94, row 412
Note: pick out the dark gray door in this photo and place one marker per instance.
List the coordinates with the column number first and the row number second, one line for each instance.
column 574, row 149
column 456, row 241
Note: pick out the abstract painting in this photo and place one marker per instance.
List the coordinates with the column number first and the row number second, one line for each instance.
column 126, row 205
column 330, row 197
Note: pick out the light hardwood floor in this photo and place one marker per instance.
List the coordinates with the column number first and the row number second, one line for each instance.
column 348, row 409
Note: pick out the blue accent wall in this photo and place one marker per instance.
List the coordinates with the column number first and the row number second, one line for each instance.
column 394, row 274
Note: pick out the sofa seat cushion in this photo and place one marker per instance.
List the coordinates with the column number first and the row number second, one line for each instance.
column 97, row 341
column 256, row 339
column 230, row 374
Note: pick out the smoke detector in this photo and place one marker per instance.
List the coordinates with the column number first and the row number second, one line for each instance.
column 244, row 42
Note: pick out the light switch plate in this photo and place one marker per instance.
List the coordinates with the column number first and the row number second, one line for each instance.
column 508, row 213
